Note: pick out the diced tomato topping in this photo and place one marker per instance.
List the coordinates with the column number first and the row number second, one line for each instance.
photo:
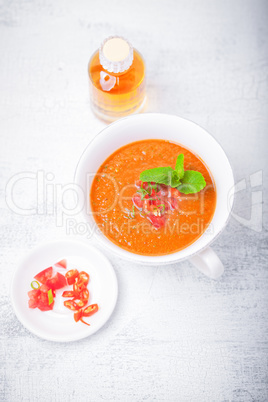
column 173, row 203
column 157, row 202
column 90, row 310
column 157, row 221
column 44, row 275
column 61, row 264
column 137, row 201
column 145, row 185
column 175, row 193
column 71, row 275
column 138, row 183
column 57, row 282
column 163, row 192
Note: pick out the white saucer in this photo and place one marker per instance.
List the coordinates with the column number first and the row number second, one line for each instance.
column 58, row 324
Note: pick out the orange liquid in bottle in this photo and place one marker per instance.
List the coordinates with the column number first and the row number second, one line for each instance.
column 114, row 95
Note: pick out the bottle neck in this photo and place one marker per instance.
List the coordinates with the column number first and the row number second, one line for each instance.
column 118, row 74
column 116, row 55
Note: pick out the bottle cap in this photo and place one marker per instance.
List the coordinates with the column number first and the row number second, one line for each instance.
column 116, row 54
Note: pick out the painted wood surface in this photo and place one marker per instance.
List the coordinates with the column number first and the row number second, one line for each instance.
column 175, row 335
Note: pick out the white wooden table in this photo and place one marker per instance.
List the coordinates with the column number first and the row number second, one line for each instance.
column 175, row 335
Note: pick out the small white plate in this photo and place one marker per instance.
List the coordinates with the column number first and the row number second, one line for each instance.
column 58, row 324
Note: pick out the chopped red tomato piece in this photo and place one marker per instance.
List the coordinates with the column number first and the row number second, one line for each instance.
column 173, row 203
column 61, row 264
column 157, row 221
column 44, row 288
column 174, row 193
column 137, row 201
column 33, row 303
column 44, row 293
column 39, row 299
column 57, row 282
column 156, row 201
column 144, row 185
column 44, row 306
column 90, row 310
column 44, row 275
column 163, row 192
column 33, row 294
column 71, row 275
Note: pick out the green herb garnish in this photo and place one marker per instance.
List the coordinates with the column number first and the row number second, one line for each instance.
column 179, row 166
column 163, row 206
column 160, row 175
column 143, row 192
column 50, row 296
column 192, row 182
column 152, row 187
column 187, row 182
column 35, row 285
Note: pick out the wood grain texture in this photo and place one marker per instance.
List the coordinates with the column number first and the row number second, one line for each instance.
column 175, row 335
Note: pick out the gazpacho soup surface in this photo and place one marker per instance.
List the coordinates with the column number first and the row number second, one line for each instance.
column 150, row 217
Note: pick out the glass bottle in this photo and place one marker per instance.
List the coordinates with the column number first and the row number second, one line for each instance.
column 117, row 79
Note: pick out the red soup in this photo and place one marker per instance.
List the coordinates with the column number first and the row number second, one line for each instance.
column 148, row 217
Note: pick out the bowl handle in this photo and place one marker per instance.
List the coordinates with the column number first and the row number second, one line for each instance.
column 208, row 263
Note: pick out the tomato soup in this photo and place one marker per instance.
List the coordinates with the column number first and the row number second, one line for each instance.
column 125, row 224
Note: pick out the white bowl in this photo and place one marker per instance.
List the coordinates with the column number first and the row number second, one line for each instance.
column 168, row 127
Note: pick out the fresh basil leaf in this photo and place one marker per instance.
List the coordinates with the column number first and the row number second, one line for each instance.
column 179, row 165
column 187, row 182
column 161, row 175
column 192, row 182
column 174, row 179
